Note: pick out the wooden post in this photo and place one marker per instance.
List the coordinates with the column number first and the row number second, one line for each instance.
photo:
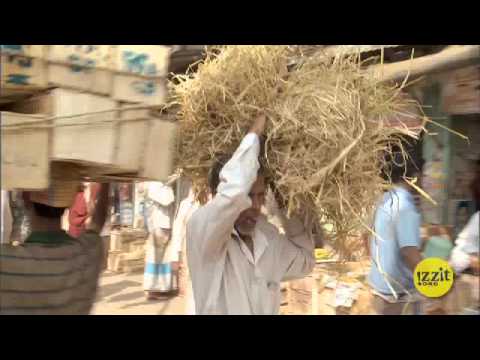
column 453, row 57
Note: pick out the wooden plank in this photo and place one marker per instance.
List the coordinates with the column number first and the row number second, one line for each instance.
column 129, row 150
column 34, row 51
column 95, row 81
column 25, row 153
column 139, row 89
column 21, row 74
column 451, row 58
column 82, row 56
column 143, row 60
column 461, row 91
column 81, row 67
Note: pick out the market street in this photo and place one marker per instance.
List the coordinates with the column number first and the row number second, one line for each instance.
column 122, row 294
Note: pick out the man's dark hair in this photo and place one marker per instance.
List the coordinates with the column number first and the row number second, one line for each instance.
column 46, row 211
column 214, row 173
column 398, row 167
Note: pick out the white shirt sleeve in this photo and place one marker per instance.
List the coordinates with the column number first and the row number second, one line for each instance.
column 297, row 247
column 467, row 243
column 210, row 226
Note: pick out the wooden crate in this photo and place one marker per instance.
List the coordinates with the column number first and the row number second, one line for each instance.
column 118, row 242
column 136, row 246
column 36, row 51
column 158, row 161
column 140, row 72
column 90, row 144
column 132, row 135
column 25, row 152
column 146, row 145
column 461, row 91
column 146, row 60
column 22, row 69
column 102, row 146
column 81, row 67
column 115, row 261
column 139, row 89
column 134, row 266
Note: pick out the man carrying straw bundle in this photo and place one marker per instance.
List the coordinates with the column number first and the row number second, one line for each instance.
column 236, row 258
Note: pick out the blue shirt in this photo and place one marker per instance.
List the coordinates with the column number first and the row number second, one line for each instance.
column 397, row 222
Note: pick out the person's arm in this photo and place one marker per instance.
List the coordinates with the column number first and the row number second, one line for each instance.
column 99, row 208
column 78, row 213
column 297, row 248
column 210, row 226
column 408, row 236
column 411, row 256
column 465, row 252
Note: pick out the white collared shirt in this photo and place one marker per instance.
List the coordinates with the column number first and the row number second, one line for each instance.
column 467, row 243
column 226, row 277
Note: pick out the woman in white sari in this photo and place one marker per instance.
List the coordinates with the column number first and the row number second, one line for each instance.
column 158, row 272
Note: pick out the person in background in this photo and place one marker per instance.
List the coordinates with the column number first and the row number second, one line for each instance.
column 475, row 187
column 45, row 224
column 79, row 213
column 465, row 259
column 465, row 254
column 395, row 252
column 157, row 280
column 177, row 247
column 7, row 219
column 236, row 258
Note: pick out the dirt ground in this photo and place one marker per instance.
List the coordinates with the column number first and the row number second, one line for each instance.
column 122, row 294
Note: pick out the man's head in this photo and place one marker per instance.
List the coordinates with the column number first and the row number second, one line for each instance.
column 42, row 217
column 48, row 212
column 398, row 168
column 246, row 221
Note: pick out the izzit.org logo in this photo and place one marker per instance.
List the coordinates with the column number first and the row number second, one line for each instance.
column 433, row 277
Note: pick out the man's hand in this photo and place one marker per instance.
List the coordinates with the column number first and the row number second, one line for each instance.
column 281, row 202
column 98, row 209
column 258, row 126
column 411, row 256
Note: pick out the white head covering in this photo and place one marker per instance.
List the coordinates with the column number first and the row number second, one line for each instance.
column 160, row 193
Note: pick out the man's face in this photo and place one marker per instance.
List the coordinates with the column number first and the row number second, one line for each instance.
column 247, row 220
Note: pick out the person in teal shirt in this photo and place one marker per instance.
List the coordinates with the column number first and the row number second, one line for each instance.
column 395, row 252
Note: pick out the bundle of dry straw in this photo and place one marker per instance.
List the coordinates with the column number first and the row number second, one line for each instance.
column 327, row 130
